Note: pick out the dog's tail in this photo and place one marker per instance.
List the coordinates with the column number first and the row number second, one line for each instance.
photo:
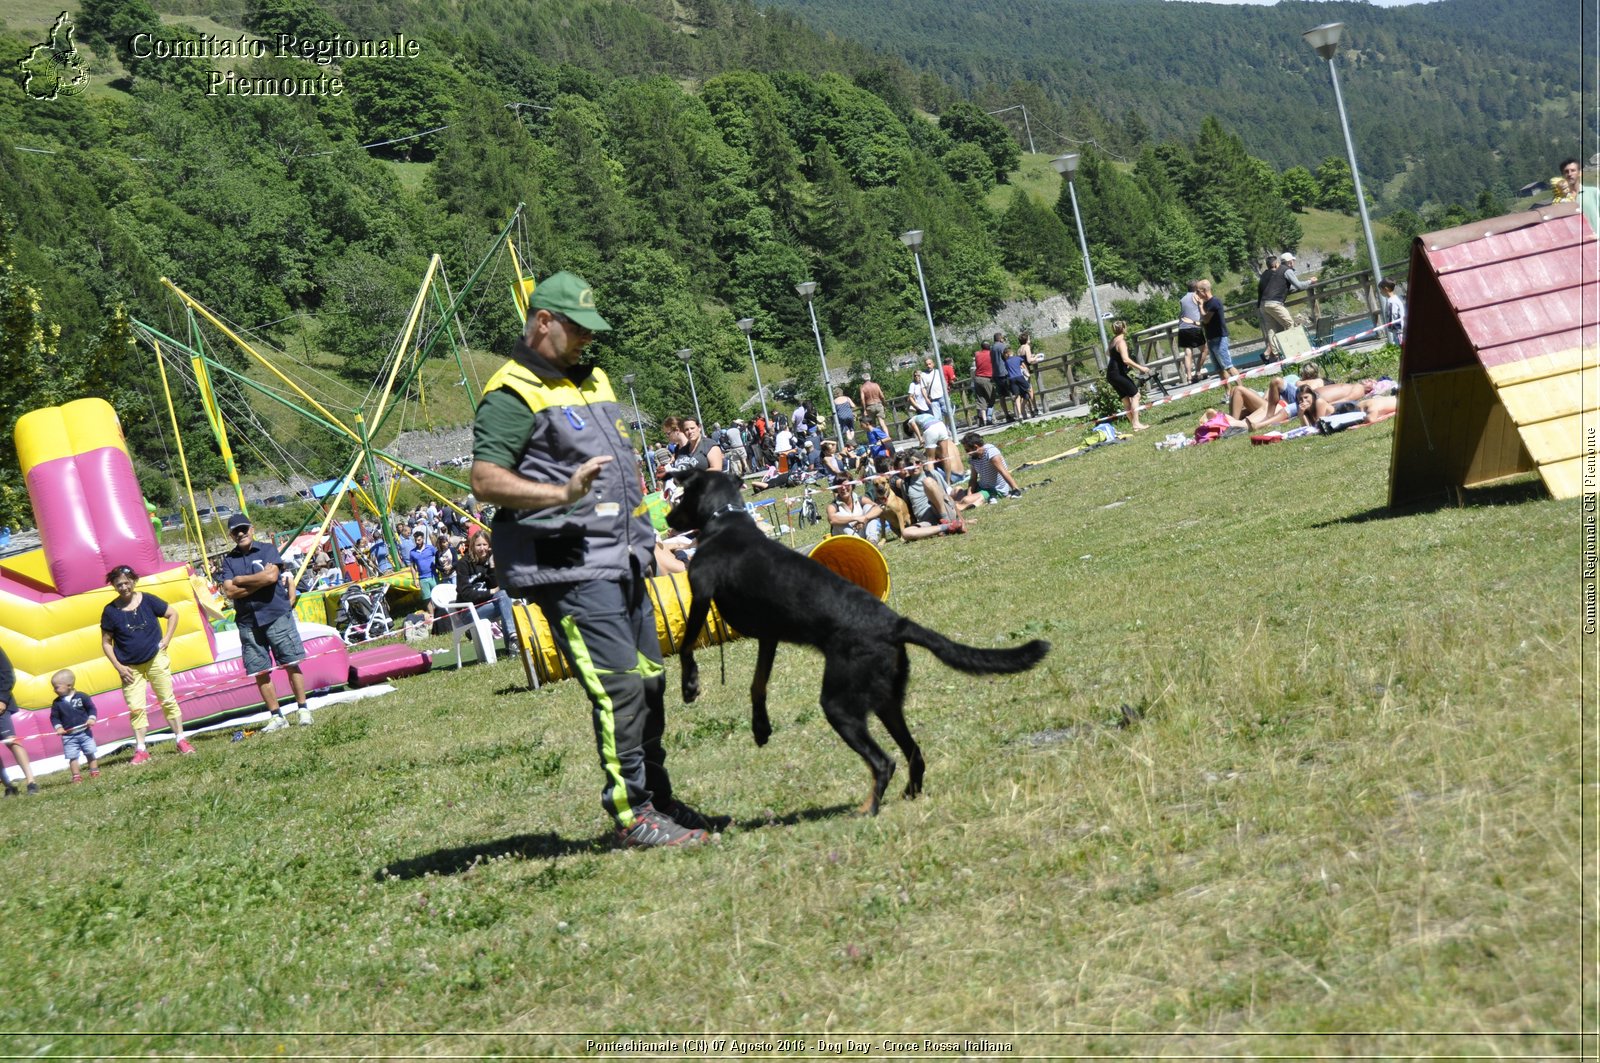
column 971, row 659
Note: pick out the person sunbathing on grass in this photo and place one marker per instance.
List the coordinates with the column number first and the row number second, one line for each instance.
column 771, row 477
column 1252, row 410
column 1314, row 407
column 1288, row 387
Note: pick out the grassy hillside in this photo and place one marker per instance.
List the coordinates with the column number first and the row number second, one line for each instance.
column 1346, row 824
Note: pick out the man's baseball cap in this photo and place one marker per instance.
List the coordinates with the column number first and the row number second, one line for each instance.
column 237, row 521
column 1287, row 256
column 569, row 295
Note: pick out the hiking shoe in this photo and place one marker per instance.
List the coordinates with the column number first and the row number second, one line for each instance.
column 184, row 746
column 690, row 819
column 653, row 830
column 305, row 716
column 140, row 756
column 77, row 778
column 33, row 788
column 277, row 723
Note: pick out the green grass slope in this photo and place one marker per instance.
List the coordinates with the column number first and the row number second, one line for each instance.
column 1352, row 805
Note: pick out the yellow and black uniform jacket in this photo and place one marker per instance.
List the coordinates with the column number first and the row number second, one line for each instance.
column 605, row 535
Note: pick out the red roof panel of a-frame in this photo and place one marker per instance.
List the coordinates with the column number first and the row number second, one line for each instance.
column 1520, row 288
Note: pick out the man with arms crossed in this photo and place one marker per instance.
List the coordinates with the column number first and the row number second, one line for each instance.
column 251, row 580
column 550, row 450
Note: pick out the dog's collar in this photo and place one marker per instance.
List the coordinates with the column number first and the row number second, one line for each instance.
column 731, row 507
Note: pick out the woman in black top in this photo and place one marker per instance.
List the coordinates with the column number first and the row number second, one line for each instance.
column 1117, row 365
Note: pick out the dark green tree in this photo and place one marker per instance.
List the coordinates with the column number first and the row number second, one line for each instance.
column 395, row 100
column 1037, row 247
column 1298, row 188
column 1336, row 189
column 964, row 123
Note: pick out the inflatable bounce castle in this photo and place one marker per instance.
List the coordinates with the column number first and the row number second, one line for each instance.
column 91, row 518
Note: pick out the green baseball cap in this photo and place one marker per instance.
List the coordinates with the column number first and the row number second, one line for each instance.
column 569, row 295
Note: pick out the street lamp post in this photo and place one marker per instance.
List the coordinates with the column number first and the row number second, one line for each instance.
column 913, row 240
column 686, row 354
column 638, row 426
column 1325, row 40
column 745, row 325
column 808, row 291
column 1066, row 166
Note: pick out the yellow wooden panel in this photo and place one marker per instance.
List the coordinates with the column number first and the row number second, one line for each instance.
column 1563, row 479
column 1498, row 452
column 1545, row 399
column 1557, row 363
column 1557, row 440
column 1451, row 431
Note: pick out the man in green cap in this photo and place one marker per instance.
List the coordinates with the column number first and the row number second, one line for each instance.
column 551, row 451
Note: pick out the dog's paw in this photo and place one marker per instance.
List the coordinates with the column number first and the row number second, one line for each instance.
column 761, row 734
column 691, row 688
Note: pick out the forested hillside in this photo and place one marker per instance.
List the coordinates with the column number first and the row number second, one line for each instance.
column 1457, row 95
column 694, row 159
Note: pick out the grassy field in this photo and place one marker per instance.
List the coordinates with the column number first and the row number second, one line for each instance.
column 1348, row 820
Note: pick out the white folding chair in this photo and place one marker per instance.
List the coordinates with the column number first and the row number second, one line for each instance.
column 464, row 621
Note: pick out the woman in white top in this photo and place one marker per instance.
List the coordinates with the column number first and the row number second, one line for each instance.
column 849, row 514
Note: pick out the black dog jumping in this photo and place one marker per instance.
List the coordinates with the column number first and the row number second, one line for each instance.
column 773, row 594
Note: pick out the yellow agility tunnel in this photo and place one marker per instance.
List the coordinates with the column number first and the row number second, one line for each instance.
column 856, row 560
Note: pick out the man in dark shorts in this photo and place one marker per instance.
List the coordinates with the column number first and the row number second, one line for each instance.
column 267, row 630
column 550, row 450
column 8, row 733
column 872, row 401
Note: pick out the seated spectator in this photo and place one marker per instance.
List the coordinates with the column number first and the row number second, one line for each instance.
column 849, row 514
column 878, row 441
column 478, row 583
column 830, row 464
column 989, row 473
column 916, row 507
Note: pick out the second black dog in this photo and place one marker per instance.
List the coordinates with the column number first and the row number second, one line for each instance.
column 773, row 594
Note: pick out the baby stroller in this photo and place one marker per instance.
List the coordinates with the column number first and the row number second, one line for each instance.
column 363, row 616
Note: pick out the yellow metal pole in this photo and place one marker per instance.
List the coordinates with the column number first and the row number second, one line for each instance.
column 403, row 471
column 183, row 461
column 405, row 340
column 327, row 521
column 209, row 401
column 251, row 351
